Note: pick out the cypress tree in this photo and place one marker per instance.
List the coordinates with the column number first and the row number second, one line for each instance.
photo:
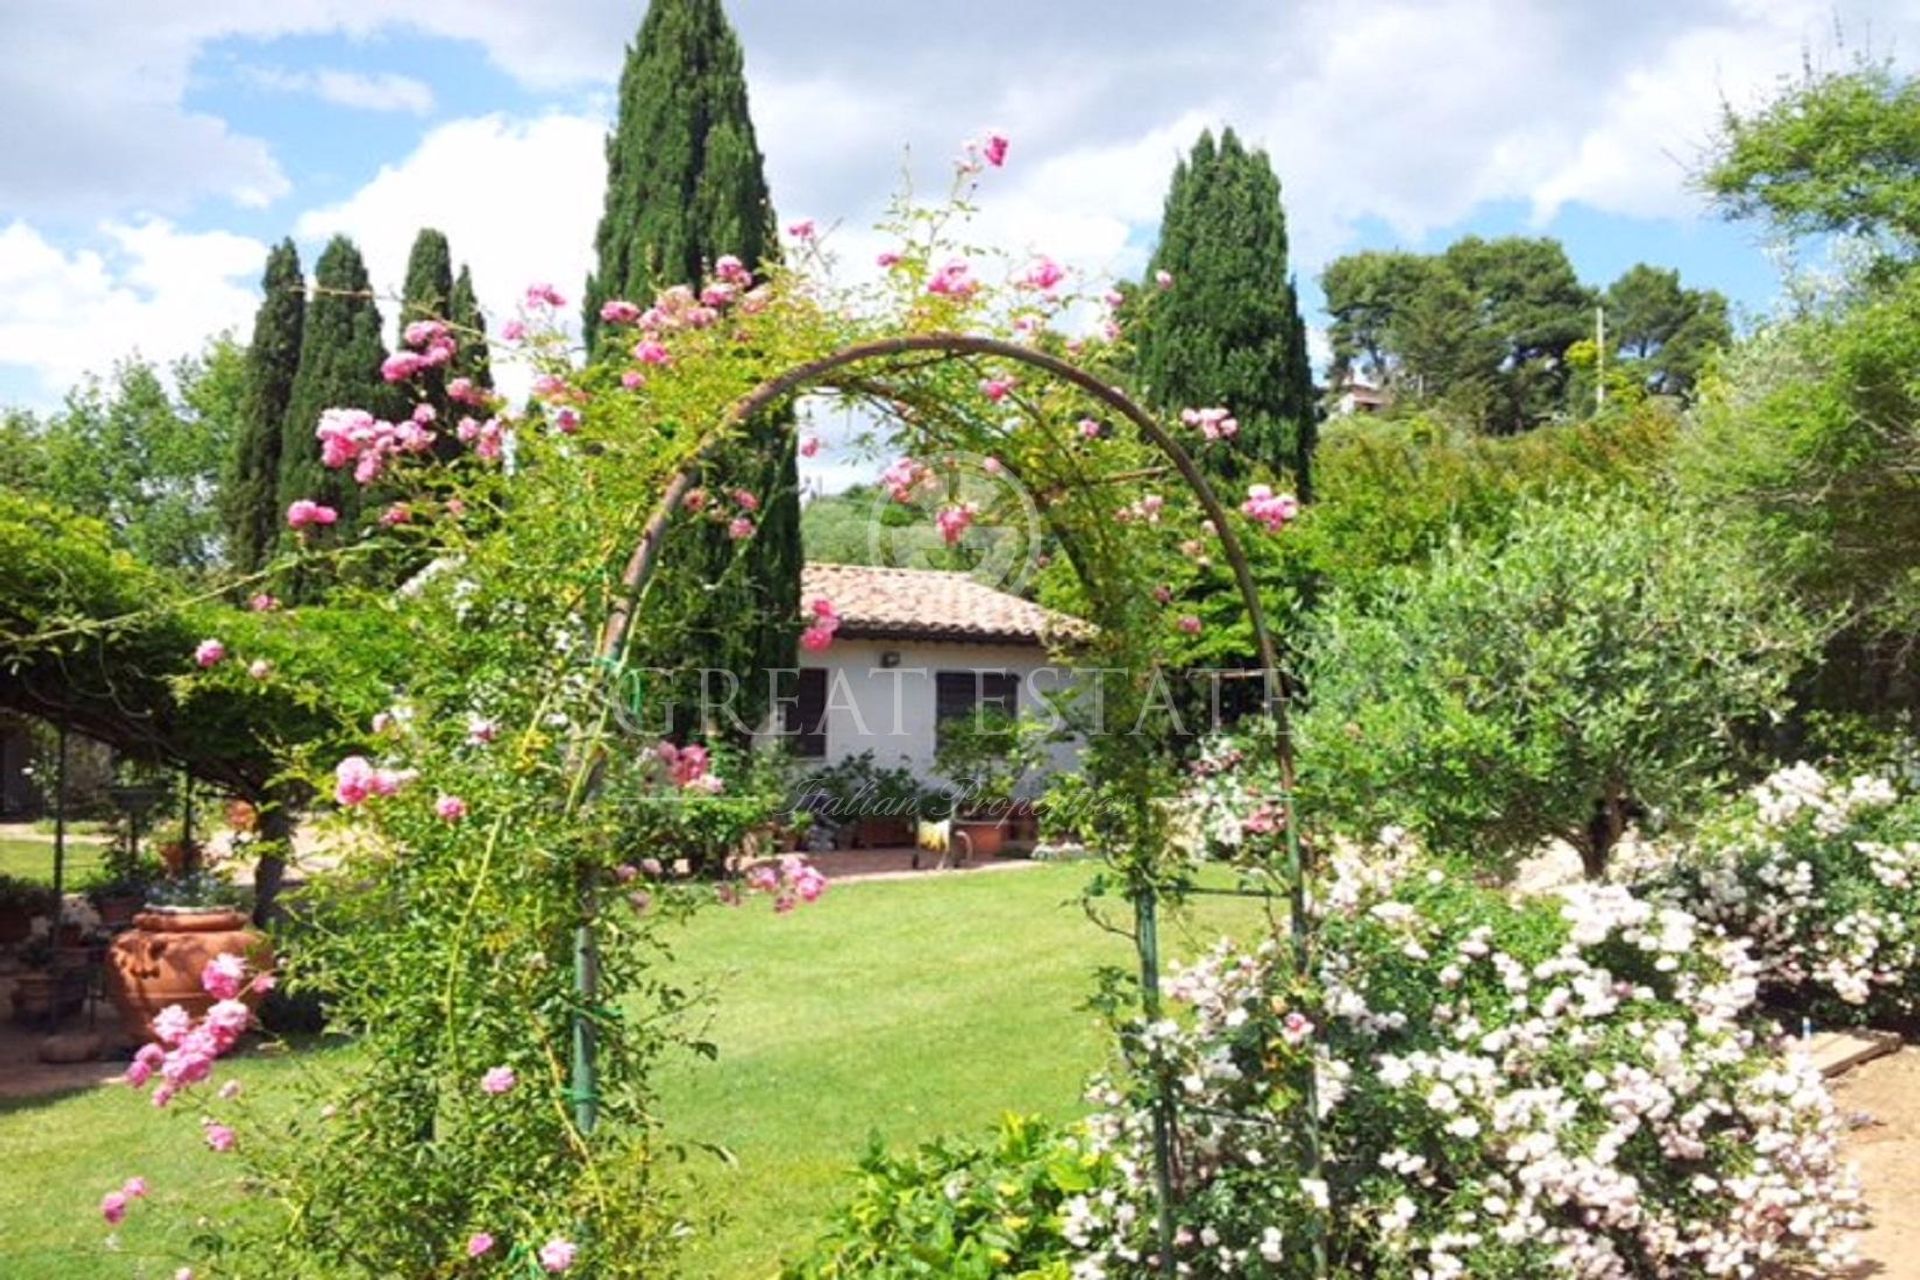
column 428, row 292
column 1229, row 330
column 470, row 326
column 340, row 357
column 428, row 295
column 685, row 182
column 685, row 185
column 249, row 498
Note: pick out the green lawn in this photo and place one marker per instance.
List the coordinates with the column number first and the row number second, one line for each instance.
column 31, row 857
column 909, row 1008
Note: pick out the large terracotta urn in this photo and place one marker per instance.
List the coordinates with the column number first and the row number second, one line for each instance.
column 158, row 962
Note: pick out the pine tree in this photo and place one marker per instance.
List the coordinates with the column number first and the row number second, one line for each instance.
column 249, row 497
column 340, row 357
column 685, row 185
column 1229, row 332
column 470, row 327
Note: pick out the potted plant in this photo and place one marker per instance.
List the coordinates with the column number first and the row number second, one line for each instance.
column 20, row 902
column 188, row 921
column 878, row 806
column 119, row 888
column 985, row 757
column 53, row 984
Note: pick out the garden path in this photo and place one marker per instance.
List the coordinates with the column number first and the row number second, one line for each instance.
column 1886, row 1094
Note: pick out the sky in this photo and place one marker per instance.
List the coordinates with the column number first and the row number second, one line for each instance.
column 152, row 152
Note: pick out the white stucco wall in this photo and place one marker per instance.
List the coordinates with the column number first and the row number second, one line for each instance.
column 890, row 710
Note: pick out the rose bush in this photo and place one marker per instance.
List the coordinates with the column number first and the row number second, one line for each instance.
column 1823, row 878
column 510, row 830
column 1509, row 1089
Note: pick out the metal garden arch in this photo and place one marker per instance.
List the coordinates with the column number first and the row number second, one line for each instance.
column 613, row 643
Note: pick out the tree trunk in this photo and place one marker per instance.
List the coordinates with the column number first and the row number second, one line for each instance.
column 1604, row 828
column 270, row 869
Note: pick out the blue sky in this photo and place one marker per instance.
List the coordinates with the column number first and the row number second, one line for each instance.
column 162, row 148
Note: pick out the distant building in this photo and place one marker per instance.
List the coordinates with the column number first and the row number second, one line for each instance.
column 916, row 648
column 1356, row 396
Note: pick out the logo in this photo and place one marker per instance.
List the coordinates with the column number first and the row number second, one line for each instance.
column 956, row 511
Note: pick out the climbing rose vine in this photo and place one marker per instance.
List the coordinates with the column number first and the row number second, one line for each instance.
column 520, row 831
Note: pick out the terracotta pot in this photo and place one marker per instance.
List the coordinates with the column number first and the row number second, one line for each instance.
column 158, row 962
column 882, row 833
column 15, row 924
column 47, row 995
column 985, row 836
column 178, row 857
column 117, row 909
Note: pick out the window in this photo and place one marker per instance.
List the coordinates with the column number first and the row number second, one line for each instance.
column 804, row 720
column 961, row 695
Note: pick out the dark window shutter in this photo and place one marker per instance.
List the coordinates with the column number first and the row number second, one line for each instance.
column 955, row 694
column 805, row 720
column 960, row 695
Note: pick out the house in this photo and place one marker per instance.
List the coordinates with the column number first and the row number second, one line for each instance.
column 916, row 648
column 1357, row 396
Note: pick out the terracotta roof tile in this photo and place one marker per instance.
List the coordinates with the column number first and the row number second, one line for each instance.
column 883, row 603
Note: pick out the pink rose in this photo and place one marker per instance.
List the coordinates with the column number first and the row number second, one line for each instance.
column 557, row 1254
column 353, row 781
column 305, row 511
column 113, row 1207
column 478, row 1243
column 171, row 1024
column 954, row 280
column 1045, row 275
column 498, row 1080
column 739, row 528
column 208, row 653
column 219, row 1137
column 809, row 445
column 994, row 149
column 450, row 808
column 1190, row 624
column 223, row 975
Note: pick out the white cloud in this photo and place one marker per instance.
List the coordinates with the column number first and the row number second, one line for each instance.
column 1414, row 113
column 147, row 287
column 382, row 91
column 518, row 200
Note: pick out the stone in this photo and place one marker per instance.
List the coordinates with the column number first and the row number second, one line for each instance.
column 72, row 1046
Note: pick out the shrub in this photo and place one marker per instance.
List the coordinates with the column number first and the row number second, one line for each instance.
column 1821, row 877
column 1507, row 1090
column 1605, row 658
column 959, row 1209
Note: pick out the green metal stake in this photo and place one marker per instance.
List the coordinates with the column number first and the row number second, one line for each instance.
column 60, row 820
column 586, row 982
column 1146, row 925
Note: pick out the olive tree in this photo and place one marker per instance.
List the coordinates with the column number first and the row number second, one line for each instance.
column 1603, row 659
